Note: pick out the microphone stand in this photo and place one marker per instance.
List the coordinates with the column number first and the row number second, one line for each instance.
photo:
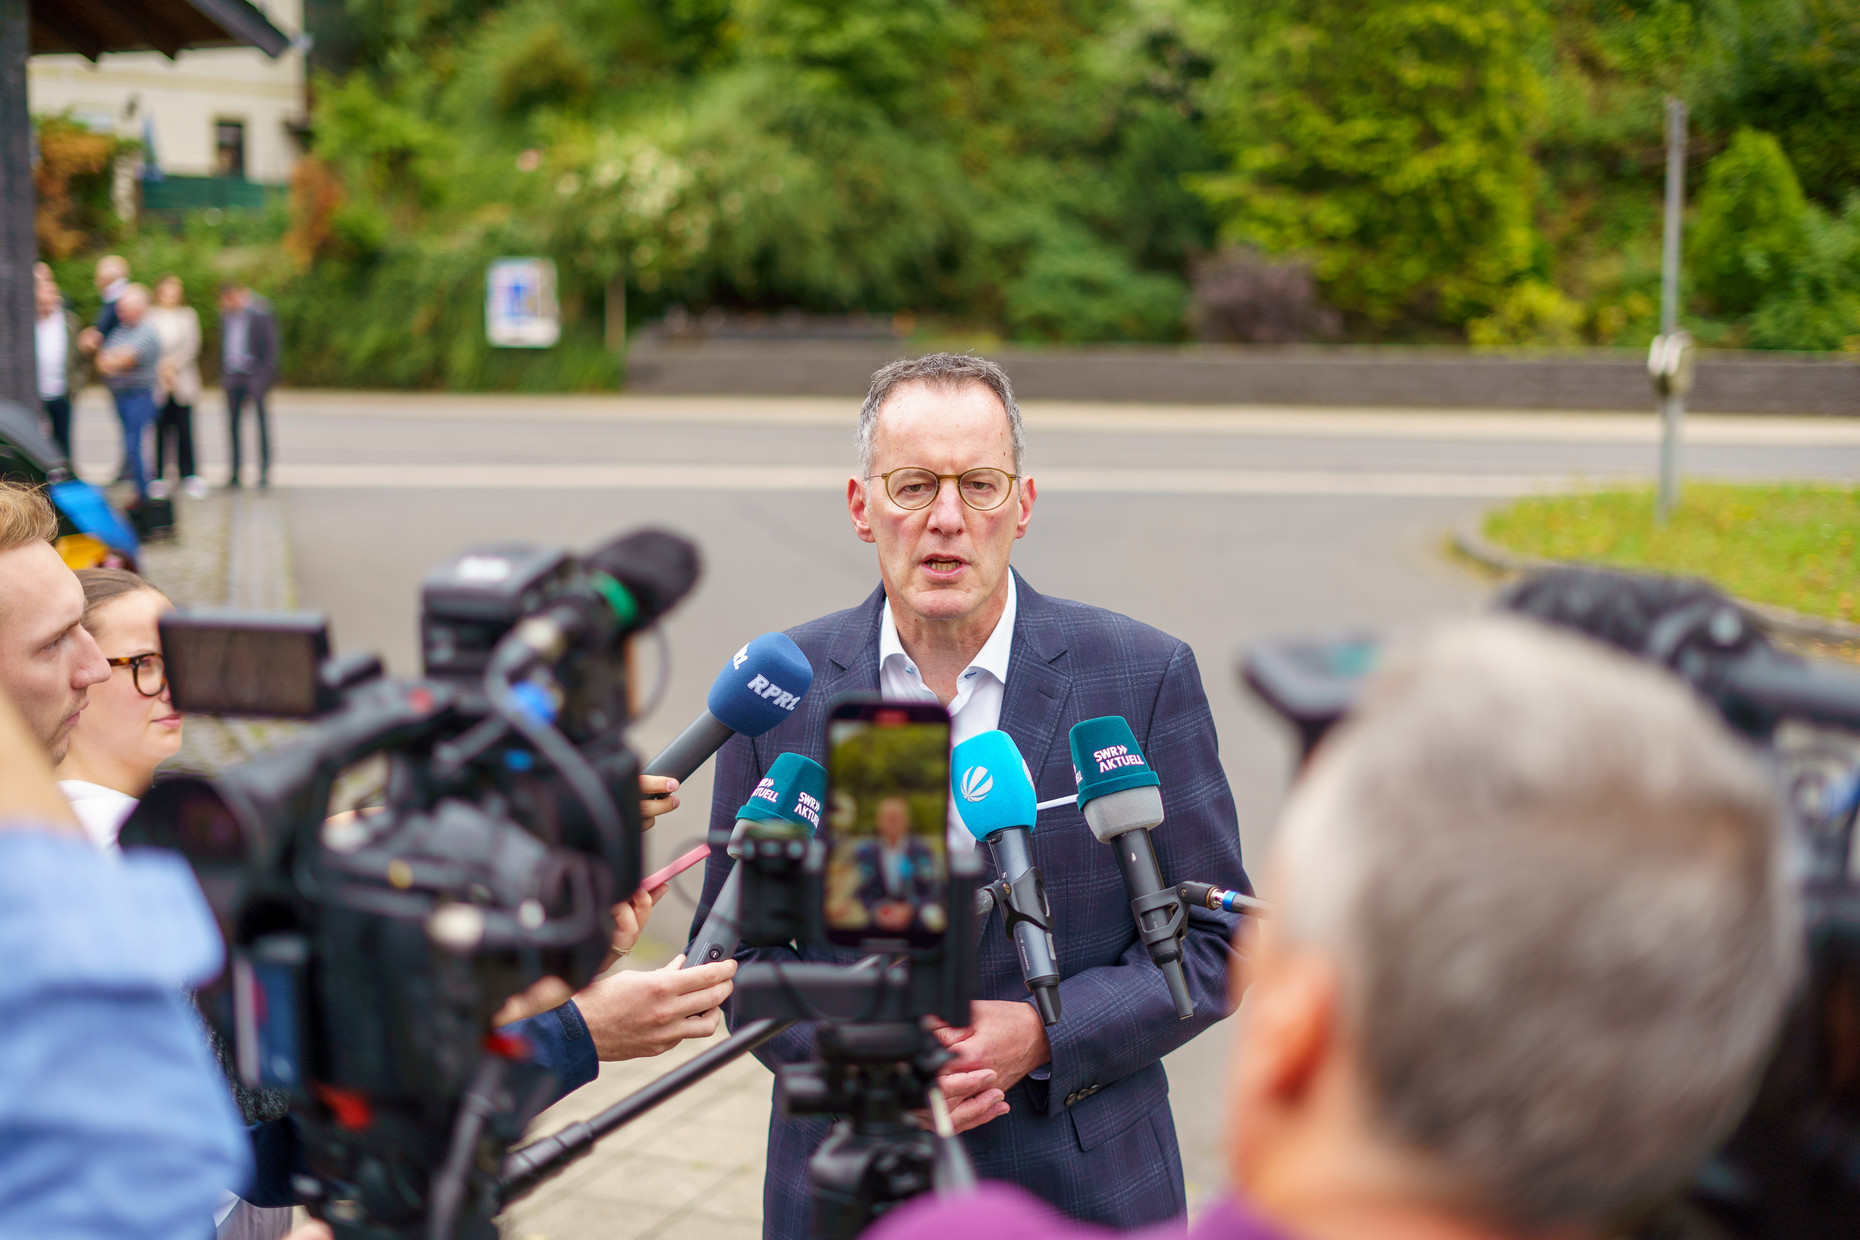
column 529, row 1166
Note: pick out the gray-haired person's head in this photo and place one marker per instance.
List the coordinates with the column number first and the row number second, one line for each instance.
column 1554, row 886
column 938, row 370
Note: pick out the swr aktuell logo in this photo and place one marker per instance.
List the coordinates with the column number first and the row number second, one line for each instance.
column 1111, row 758
column 976, row 783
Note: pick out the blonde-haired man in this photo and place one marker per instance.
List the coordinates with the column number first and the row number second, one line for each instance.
column 47, row 661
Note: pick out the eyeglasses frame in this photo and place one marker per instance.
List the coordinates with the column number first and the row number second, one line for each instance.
column 885, row 478
column 134, row 663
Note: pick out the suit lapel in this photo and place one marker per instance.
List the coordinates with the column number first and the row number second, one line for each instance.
column 853, row 652
column 1037, row 684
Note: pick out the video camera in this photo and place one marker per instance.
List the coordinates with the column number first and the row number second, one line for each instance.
column 368, row 951
column 1792, row 1169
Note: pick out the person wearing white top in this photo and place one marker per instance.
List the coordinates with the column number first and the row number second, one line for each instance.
column 980, row 687
column 177, row 386
column 54, row 337
column 130, row 726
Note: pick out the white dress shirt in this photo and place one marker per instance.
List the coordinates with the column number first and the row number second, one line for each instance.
column 980, row 688
column 100, row 810
column 50, row 343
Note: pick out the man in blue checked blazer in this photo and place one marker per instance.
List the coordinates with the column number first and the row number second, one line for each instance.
column 1079, row 1113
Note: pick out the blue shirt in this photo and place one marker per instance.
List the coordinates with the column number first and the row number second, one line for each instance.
column 559, row 1041
column 114, row 1118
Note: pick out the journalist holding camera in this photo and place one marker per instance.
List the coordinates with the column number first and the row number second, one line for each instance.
column 1531, row 940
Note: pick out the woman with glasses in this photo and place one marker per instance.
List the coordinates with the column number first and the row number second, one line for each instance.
column 130, row 726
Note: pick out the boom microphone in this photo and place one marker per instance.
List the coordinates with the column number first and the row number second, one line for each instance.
column 993, row 795
column 628, row 583
column 792, row 792
column 1121, row 798
column 758, row 688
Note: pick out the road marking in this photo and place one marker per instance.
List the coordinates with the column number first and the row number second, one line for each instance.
column 1268, row 421
column 738, row 477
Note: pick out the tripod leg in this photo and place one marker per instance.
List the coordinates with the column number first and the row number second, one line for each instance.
column 952, row 1174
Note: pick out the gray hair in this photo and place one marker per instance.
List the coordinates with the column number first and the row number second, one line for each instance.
column 940, row 370
column 1555, row 886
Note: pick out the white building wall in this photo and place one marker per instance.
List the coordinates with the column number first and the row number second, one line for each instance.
column 187, row 95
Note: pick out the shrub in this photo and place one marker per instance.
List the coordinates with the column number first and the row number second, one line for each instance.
column 1242, row 297
column 1749, row 226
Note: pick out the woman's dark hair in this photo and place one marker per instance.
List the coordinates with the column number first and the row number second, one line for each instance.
column 103, row 586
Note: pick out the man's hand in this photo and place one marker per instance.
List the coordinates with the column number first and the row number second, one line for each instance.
column 655, row 798
column 88, row 341
column 634, row 1015
column 1005, row 1043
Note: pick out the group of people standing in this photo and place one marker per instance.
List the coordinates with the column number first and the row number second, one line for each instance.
column 146, row 349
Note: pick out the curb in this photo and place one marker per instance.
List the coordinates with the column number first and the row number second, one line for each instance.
column 1469, row 542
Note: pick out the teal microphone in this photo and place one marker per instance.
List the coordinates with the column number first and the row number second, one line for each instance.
column 792, row 794
column 1121, row 798
column 993, row 795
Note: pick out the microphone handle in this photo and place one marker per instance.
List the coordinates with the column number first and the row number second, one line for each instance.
column 691, row 748
column 1029, row 918
column 723, row 929
column 1157, row 909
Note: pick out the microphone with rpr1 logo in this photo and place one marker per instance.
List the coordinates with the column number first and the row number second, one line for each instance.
column 758, row 688
column 993, row 795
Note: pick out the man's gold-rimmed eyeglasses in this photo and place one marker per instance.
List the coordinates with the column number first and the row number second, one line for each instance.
column 146, row 670
column 914, row 487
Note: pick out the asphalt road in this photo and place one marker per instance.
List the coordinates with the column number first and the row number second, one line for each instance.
column 1219, row 526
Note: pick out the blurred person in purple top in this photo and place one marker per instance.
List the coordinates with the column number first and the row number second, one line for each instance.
column 1532, row 940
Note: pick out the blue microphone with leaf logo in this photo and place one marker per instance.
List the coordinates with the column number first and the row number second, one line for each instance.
column 994, row 797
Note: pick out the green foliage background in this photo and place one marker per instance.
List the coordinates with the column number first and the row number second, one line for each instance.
column 1484, row 171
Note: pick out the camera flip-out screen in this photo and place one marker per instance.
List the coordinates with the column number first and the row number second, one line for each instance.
column 261, row 664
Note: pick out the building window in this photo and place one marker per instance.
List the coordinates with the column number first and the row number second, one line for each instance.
column 229, row 149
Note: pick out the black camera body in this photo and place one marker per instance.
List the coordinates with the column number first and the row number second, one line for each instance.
column 368, row 951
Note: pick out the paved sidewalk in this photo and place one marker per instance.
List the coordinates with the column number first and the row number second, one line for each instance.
column 229, row 549
column 689, row 1170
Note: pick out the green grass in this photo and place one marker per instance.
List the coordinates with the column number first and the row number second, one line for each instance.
column 1789, row 546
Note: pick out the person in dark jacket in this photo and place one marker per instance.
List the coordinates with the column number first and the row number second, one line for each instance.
column 55, row 345
column 248, row 368
column 1077, row 1113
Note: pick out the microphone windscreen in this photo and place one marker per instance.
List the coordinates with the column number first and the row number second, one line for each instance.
column 989, row 784
column 1115, row 813
column 1106, row 758
column 793, row 791
column 657, row 568
column 761, row 685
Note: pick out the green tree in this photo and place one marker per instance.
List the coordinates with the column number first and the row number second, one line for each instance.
column 1748, row 230
column 1388, row 144
column 1792, row 69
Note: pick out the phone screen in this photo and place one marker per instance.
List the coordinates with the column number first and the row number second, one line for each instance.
column 888, row 808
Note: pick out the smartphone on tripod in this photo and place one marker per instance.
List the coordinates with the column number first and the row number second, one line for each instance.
column 886, row 830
